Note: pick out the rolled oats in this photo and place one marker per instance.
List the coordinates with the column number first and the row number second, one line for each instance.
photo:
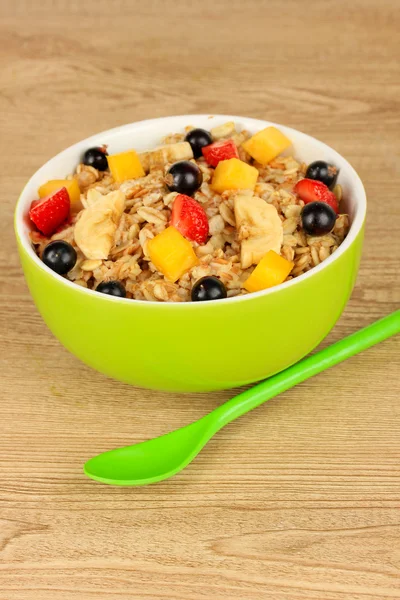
column 125, row 231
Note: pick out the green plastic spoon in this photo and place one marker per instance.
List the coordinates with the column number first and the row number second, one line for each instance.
column 164, row 456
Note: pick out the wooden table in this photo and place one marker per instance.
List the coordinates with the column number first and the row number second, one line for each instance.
column 298, row 500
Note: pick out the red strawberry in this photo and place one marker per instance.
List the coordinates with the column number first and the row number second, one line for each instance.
column 311, row 190
column 220, row 151
column 189, row 218
column 50, row 212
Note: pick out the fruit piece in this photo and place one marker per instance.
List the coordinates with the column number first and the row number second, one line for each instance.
column 234, row 174
column 208, row 288
column 125, row 165
column 338, row 191
column 223, row 131
column 159, row 157
column 190, row 219
column 259, row 229
column 318, row 218
column 310, row 190
column 50, row 212
column 97, row 158
column 265, row 145
column 198, row 138
column 112, row 288
column 71, row 186
column 94, row 231
column 323, row 171
column 184, row 177
column 270, row 271
column 59, row 256
column 171, row 254
column 218, row 151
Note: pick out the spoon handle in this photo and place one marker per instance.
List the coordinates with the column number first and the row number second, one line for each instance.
column 330, row 356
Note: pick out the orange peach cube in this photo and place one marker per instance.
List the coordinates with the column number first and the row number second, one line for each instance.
column 171, row 254
column 234, row 174
column 125, row 165
column 265, row 145
column 270, row 271
column 53, row 185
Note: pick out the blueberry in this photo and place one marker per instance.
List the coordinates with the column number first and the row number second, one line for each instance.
column 59, row 256
column 97, row 158
column 318, row 218
column 112, row 288
column 184, row 177
column 323, row 171
column 198, row 138
column 208, row 288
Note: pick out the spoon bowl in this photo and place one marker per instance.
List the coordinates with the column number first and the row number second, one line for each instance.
column 152, row 460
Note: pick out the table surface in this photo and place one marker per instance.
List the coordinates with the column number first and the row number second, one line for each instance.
column 297, row 500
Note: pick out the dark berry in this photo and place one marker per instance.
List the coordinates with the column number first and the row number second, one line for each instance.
column 59, row 256
column 184, row 177
column 318, row 218
column 208, row 288
column 97, row 158
column 112, row 288
column 198, row 139
column 323, row 171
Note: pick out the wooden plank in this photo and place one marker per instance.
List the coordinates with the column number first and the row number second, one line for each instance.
column 296, row 501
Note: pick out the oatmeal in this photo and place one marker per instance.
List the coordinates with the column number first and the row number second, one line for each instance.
column 206, row 215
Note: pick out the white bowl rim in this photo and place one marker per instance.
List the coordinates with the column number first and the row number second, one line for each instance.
column 355, row 227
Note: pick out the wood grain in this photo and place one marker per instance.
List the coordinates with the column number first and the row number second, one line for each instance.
column 298, row 500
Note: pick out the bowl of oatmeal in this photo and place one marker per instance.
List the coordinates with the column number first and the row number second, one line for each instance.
column 192, row 253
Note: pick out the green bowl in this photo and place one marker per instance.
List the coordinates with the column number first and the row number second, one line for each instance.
column 203, row 346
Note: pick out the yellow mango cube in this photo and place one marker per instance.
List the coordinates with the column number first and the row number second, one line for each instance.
column 265, row 145
column 234, row 174
column 171, row 254
column 55, row 184
column 125, row 165
column 270, row 271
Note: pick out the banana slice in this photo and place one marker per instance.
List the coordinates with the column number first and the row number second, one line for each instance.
column 259, row 228
column 159, row 157
column 222, row 131
column 94, row 231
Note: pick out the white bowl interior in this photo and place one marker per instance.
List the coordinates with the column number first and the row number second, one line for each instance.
column 145, row 135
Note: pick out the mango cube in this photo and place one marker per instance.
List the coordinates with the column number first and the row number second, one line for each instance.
column 265, row 145
column 270, row 271
column 55, row 184
column 171, row 254
column 234, row 174
column 125, row 165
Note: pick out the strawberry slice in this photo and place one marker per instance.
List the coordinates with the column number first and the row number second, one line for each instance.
column 311, row 190
column 189, row 218
column 218, row 151
column 50, row 212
